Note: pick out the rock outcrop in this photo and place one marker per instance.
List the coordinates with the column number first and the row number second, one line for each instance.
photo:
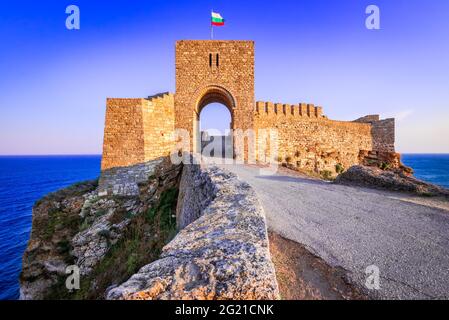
column 56, row 221
column 83, row 224
column 116, row 230
column 393, row 180
column 384, row 160
column 224, row 254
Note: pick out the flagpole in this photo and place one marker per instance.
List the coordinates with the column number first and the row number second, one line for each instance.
column 211, row 27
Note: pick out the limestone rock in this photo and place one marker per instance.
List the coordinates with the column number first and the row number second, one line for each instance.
column 222, row 255
column 394, row 180
column 79, row 225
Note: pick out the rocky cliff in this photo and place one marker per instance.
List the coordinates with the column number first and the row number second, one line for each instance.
column 119, row 232
column 108, row 235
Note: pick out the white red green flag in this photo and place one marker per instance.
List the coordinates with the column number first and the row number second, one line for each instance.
column 217, row 19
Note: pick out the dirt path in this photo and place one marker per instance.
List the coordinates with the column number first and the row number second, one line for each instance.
column 303, row 276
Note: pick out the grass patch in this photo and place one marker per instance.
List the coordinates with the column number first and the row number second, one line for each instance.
column 339, row 168
column 141, row 244
column 385, row 166
column 58, row 220
column 77, row 189
column 327, row 175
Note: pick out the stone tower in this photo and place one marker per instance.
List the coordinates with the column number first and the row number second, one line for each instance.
column 214, row 71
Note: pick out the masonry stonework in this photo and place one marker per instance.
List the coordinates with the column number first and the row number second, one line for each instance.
column 137, row 130
column 214, row 71
column 140, row 130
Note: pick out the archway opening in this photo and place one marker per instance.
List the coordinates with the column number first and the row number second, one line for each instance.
column 215, row 123
column 213, row 135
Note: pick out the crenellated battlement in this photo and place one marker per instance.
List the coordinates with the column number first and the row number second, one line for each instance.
column 162, row 98
column 304, row 110
column 139, row 130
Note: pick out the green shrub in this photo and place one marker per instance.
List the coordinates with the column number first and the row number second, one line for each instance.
column 105, row 234
column 326, row 175
column 385, row 166
column 58, row 220
column 339, row 168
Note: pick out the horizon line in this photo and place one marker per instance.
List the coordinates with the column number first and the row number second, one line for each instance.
column 99, row 154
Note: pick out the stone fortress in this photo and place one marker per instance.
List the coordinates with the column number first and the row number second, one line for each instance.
column 141, row 130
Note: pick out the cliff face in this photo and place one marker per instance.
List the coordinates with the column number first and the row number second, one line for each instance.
column 117, row 233
column 107, row 235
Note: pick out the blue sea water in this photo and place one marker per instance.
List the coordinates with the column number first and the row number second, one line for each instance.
column 23, row 180
column 433, row 168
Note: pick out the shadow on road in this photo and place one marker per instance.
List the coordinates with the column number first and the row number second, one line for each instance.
column 293, row 179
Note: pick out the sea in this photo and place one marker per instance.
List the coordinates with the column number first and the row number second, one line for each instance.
column 25, row 179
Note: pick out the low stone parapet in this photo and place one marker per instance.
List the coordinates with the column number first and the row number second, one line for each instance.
column 223, row 254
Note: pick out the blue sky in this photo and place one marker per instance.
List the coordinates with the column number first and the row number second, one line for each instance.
column 55, row 82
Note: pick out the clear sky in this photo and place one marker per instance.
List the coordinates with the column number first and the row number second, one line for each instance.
column 54, row 82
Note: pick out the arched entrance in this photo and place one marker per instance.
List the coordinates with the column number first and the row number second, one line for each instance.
column 216, row 143
column 215, row 124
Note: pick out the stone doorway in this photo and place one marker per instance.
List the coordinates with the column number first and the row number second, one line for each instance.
column 214, row 123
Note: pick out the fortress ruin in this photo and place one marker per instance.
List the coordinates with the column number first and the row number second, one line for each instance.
column 140, row 130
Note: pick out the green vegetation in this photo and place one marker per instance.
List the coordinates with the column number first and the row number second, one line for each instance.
column 78, row 189
column 64, row 247
column 384, row 166
column 60, row 220
column 140, row 245
column 327, row 175
column 426, row 194
column 339, row 168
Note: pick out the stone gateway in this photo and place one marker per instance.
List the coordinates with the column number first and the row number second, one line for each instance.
column 140, row 130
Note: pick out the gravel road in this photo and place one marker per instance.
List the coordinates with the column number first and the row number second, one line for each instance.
column 354, row 228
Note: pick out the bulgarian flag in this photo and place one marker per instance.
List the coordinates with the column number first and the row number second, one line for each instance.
column 217, row 19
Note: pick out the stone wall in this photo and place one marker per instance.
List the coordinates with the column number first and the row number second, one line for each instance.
column 217, row 146
column 382, row 131
column 214, row 71
column 137, row 130
column 124, row 181
column 196, row 192
column 224, row 254
column 309, row 140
